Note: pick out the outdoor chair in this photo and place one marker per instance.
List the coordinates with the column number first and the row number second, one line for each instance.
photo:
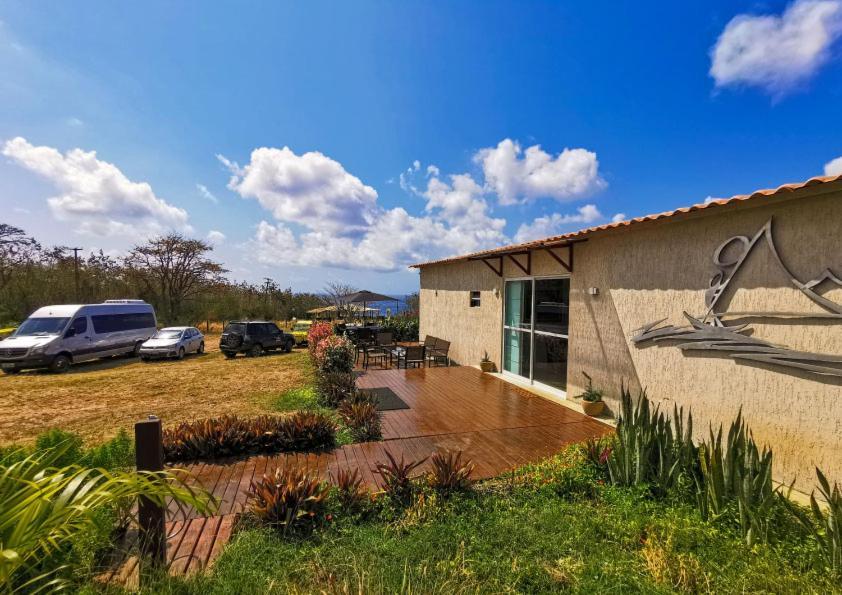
column 412, row 356
column 362, row 340
column 380, row 350
column 438, row 355
column 430, row 342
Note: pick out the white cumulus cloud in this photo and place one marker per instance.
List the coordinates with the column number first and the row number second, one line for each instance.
column 95, row 194
column 776, row 52
column 834, row 167
column 310, row 190
column 556, row 224
column 215, row 236
column 518, row 175
column 617, row 218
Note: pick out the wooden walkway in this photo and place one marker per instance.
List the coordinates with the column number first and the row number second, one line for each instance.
column 497, row 425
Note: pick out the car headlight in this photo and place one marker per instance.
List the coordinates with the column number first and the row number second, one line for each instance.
column 39, row 349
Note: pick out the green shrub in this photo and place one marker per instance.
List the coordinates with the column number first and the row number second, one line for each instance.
column 60, row 441
column 289, row 500
column 230, row 435
column 449, row 473
column 403, row 328
column 334, row 387
column 117, row 453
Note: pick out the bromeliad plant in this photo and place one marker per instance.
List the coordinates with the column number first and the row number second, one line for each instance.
column 359, row 412
column 45, row 507
column 449, row 473
column 288, row 500
column 349, row 485
column 230, row 435
column 397, row 478
column 334, row 387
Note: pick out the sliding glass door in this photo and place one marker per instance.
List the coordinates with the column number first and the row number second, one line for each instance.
column 535, row 330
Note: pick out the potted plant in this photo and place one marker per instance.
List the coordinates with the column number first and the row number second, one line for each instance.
column 592, row 402
column 486, row 364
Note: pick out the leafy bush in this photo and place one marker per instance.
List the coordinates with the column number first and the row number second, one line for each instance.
column 349, row 486
column 397, row 480
column 117, row 453
column 47, row 507
column 317, row 333
column 825, row 527
column 449, row 474
column 335, row 355
column 739, row 473
column 230, row 435
column 334, row 387
column 403, row 328
column 359, row 412
column 288, row 499
column 646, row 448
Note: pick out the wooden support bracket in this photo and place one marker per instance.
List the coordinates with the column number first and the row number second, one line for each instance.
column 499, row 269
column 567, row 265
column 527, row 270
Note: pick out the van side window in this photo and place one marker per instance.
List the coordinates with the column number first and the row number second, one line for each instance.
column 112, row 323
column 80, row 325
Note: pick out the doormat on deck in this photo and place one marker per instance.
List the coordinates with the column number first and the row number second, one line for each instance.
column 387, row 400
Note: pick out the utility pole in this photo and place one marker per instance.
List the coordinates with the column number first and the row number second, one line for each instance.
column 76, row 270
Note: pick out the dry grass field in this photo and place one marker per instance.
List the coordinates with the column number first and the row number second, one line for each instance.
column 98, row 398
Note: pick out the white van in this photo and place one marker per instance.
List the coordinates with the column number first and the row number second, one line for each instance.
column 55, row 337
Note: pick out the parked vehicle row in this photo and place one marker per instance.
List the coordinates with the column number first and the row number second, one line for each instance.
column 56, row 337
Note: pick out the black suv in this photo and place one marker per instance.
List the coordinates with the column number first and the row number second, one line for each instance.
column 253, row 338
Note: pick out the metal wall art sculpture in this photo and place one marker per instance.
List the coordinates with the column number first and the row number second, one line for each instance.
column 710, row 333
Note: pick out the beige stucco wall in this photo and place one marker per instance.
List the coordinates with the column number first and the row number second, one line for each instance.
column 658, row 270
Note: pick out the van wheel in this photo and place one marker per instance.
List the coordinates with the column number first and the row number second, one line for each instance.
column 60, row 364
column 181, row 353
column 256, row 351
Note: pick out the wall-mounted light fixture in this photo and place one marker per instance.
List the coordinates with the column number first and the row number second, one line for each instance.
column 496, row 292
column 593, row 290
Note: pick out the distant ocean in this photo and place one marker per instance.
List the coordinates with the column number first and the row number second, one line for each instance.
column 389, row 308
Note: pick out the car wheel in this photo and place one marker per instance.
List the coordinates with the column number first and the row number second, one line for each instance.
column 288, row 347
column 201, row 349
column 180, row 353
column 256, row 351
column 12, row 371
column 60, row 364
column 229, row 355
column 143, row 358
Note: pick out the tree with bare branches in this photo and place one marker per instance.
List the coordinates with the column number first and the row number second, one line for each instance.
column 16, row 249
column 173, row 269
column 336, row 295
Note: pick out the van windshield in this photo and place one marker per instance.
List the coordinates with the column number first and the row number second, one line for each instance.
column 41, row 326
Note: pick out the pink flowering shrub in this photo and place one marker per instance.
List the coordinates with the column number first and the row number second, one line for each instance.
column 334, row 354
column 317, row 333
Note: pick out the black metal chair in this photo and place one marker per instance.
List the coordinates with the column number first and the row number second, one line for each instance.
column 438, row 355
column 380, row 351
column 362, row 340
column 412, row 356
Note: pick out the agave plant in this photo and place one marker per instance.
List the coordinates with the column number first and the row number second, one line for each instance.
column 737, row 473
column 397, row 477
column 649, row 447
column 825, row 526
column 288, row 499
column 449, row 473
column 44, row 507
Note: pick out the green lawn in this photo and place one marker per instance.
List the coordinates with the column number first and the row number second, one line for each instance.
column 552, row 527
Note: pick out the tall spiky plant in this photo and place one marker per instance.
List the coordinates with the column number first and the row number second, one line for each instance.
column 824, row 525
column 737, row 473
column 44, row 507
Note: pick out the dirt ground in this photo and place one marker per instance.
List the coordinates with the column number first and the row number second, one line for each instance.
column 96, row 399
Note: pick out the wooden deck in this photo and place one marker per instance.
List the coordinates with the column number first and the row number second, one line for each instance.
column 497, row 425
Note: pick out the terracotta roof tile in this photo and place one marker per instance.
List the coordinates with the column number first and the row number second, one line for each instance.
column 786, row 188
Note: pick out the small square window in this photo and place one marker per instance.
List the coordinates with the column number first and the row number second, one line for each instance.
column 475, row 300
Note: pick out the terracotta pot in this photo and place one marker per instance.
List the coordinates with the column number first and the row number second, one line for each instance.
column 486, row 366
column 593, row 408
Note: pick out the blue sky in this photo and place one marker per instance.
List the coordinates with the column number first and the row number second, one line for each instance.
column 290, row 133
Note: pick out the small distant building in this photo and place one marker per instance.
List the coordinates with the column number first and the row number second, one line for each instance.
column 735, row 303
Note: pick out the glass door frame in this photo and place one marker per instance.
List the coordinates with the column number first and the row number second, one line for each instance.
column 531, row 332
